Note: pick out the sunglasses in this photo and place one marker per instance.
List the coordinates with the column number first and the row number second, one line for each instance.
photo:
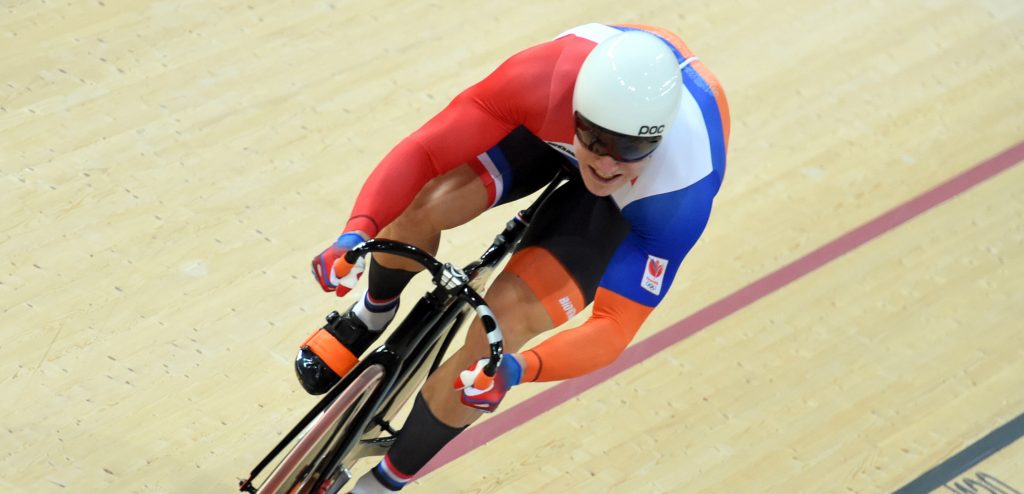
column 621, row 147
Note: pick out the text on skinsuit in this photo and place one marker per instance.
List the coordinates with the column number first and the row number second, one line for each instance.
column 566, row 303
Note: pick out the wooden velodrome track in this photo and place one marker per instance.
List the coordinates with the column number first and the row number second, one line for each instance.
column 170, row 167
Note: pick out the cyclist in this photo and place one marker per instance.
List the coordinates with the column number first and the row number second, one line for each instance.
column 642, row 124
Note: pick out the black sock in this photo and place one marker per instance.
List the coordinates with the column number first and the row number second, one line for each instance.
column 385, row 283
column 421, row 438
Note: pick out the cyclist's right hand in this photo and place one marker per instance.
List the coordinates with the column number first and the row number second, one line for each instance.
column 331, row 269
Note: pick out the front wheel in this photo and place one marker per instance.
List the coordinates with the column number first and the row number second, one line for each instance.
column 299, row 471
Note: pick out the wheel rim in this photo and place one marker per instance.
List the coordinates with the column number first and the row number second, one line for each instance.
column 294, row 475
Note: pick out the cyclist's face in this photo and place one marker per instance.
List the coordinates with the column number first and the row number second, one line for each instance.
column 602, row 175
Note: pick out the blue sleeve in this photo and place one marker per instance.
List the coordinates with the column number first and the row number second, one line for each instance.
column 664, row 229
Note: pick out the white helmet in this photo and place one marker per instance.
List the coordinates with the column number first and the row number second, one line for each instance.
column 629, row 86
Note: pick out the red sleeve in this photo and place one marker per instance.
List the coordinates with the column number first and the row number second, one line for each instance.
column 595, row 344
column 475, row 121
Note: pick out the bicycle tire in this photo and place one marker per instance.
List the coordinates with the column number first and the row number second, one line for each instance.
column 396, row 394
column 295, row 473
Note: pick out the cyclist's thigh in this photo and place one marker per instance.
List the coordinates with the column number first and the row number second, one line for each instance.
column 517, row 166
column 567, row 247
column 519, row 313
column 446, row 201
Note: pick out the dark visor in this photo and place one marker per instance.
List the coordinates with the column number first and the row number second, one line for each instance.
column 620, row 147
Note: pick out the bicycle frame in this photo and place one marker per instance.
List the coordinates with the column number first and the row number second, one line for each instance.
column 416, row 341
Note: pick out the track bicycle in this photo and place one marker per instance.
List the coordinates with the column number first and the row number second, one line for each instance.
column 354, row 418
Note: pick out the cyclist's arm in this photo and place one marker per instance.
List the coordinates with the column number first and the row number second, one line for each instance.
column 477, row 119
column 595, row 344
column 461, row 131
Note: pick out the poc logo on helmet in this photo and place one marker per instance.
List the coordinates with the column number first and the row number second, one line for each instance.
column 651, row 130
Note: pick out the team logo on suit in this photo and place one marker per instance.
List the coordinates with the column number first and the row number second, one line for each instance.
column 654, row 274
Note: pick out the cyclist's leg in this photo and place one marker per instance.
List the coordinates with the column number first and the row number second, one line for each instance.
column 432, row 425
column 514, row 168
column 521, row 316
column 554, row 274
column 447, row 201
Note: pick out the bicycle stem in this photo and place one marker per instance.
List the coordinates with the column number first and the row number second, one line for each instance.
column 454, row 281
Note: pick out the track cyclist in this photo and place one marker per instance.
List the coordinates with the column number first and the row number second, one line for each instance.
column 642, row 125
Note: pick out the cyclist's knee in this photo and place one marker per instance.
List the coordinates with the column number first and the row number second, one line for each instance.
column 521, row 315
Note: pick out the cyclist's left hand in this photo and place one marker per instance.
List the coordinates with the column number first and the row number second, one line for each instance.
column 484, row 393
